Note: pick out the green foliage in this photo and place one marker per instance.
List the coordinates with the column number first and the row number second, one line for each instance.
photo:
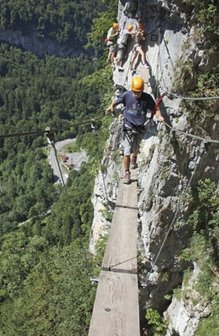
column 204, row 14
column 19, row 254
column 101, row 77
column 155, row 321
column 200, row 85
column 205, row 217
column 107, row 214
column 101, row 25
column 209, row 326
column 56, row 298
column 100, row 249
column 186, row 76
column 64, row 21
column 205, row 221
column 203, row 250
column 72, row 214
column 45, row 265
column 199, row 252
column 35, row 94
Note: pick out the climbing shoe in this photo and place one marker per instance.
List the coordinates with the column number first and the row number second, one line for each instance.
column 126, row 178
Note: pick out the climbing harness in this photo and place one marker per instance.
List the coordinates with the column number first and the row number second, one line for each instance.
column 136, row 129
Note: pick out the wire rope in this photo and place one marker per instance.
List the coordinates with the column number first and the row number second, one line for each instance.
column 209, row 140
column 54, row 130
column 174, row 95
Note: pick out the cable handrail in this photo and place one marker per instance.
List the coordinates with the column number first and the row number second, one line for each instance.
column 206, row 140
column 174, row 95
column 53, row 130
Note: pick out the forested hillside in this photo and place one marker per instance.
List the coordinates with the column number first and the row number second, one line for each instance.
column 64, row 21
column 45, row 286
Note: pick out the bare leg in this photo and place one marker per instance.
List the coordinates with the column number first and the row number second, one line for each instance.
column 133, row 162
column 109, row 57
column 126, row 178
column 141, row 52
column 126, row 162
column 133, row 59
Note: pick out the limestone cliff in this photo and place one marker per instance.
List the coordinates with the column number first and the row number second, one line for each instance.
column 170, row 163
column 39, row 47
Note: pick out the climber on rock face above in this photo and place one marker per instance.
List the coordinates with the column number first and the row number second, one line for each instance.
column 137, row 49
column 123, row 43
column 112, row 36
column 139, row 107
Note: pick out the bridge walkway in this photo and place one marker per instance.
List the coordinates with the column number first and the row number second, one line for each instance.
column 116, row 307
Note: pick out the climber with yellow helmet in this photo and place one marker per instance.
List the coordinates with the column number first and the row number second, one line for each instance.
column 123, row 44
column 112, row 36
column 139, row 108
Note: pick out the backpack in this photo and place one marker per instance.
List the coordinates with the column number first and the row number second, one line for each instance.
column 119, row 90
column 123, row 41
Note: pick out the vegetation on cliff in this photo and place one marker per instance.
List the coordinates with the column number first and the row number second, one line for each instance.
column 195, row 81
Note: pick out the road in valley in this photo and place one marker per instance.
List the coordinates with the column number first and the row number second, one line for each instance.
column 74, row 159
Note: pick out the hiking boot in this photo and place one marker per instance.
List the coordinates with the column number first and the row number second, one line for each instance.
column 126, row 178
column 134, row 163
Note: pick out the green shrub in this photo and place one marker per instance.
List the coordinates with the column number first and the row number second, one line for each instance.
column 155, row 321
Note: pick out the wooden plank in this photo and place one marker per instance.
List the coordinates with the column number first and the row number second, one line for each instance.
column 116, row 307
column 116, row 310
column 121, row 248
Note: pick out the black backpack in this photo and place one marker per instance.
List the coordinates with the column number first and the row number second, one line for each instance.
column 119, row 90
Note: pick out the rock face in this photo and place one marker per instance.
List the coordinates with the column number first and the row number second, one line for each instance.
column 169, row 164
column 183, row 313
column 37, row 46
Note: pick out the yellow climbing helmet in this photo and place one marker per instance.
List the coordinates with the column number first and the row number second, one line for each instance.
column 129, row 27
column 137, row 84
column 116, row 26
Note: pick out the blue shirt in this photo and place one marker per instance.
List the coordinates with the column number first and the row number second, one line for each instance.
column 136, row 109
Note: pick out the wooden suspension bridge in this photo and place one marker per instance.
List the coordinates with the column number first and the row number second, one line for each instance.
column 116, row 307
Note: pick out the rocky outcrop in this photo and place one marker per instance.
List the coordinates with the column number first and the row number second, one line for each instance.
column 183, row 313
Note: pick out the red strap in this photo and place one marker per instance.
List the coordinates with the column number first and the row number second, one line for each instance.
column 158, row 103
